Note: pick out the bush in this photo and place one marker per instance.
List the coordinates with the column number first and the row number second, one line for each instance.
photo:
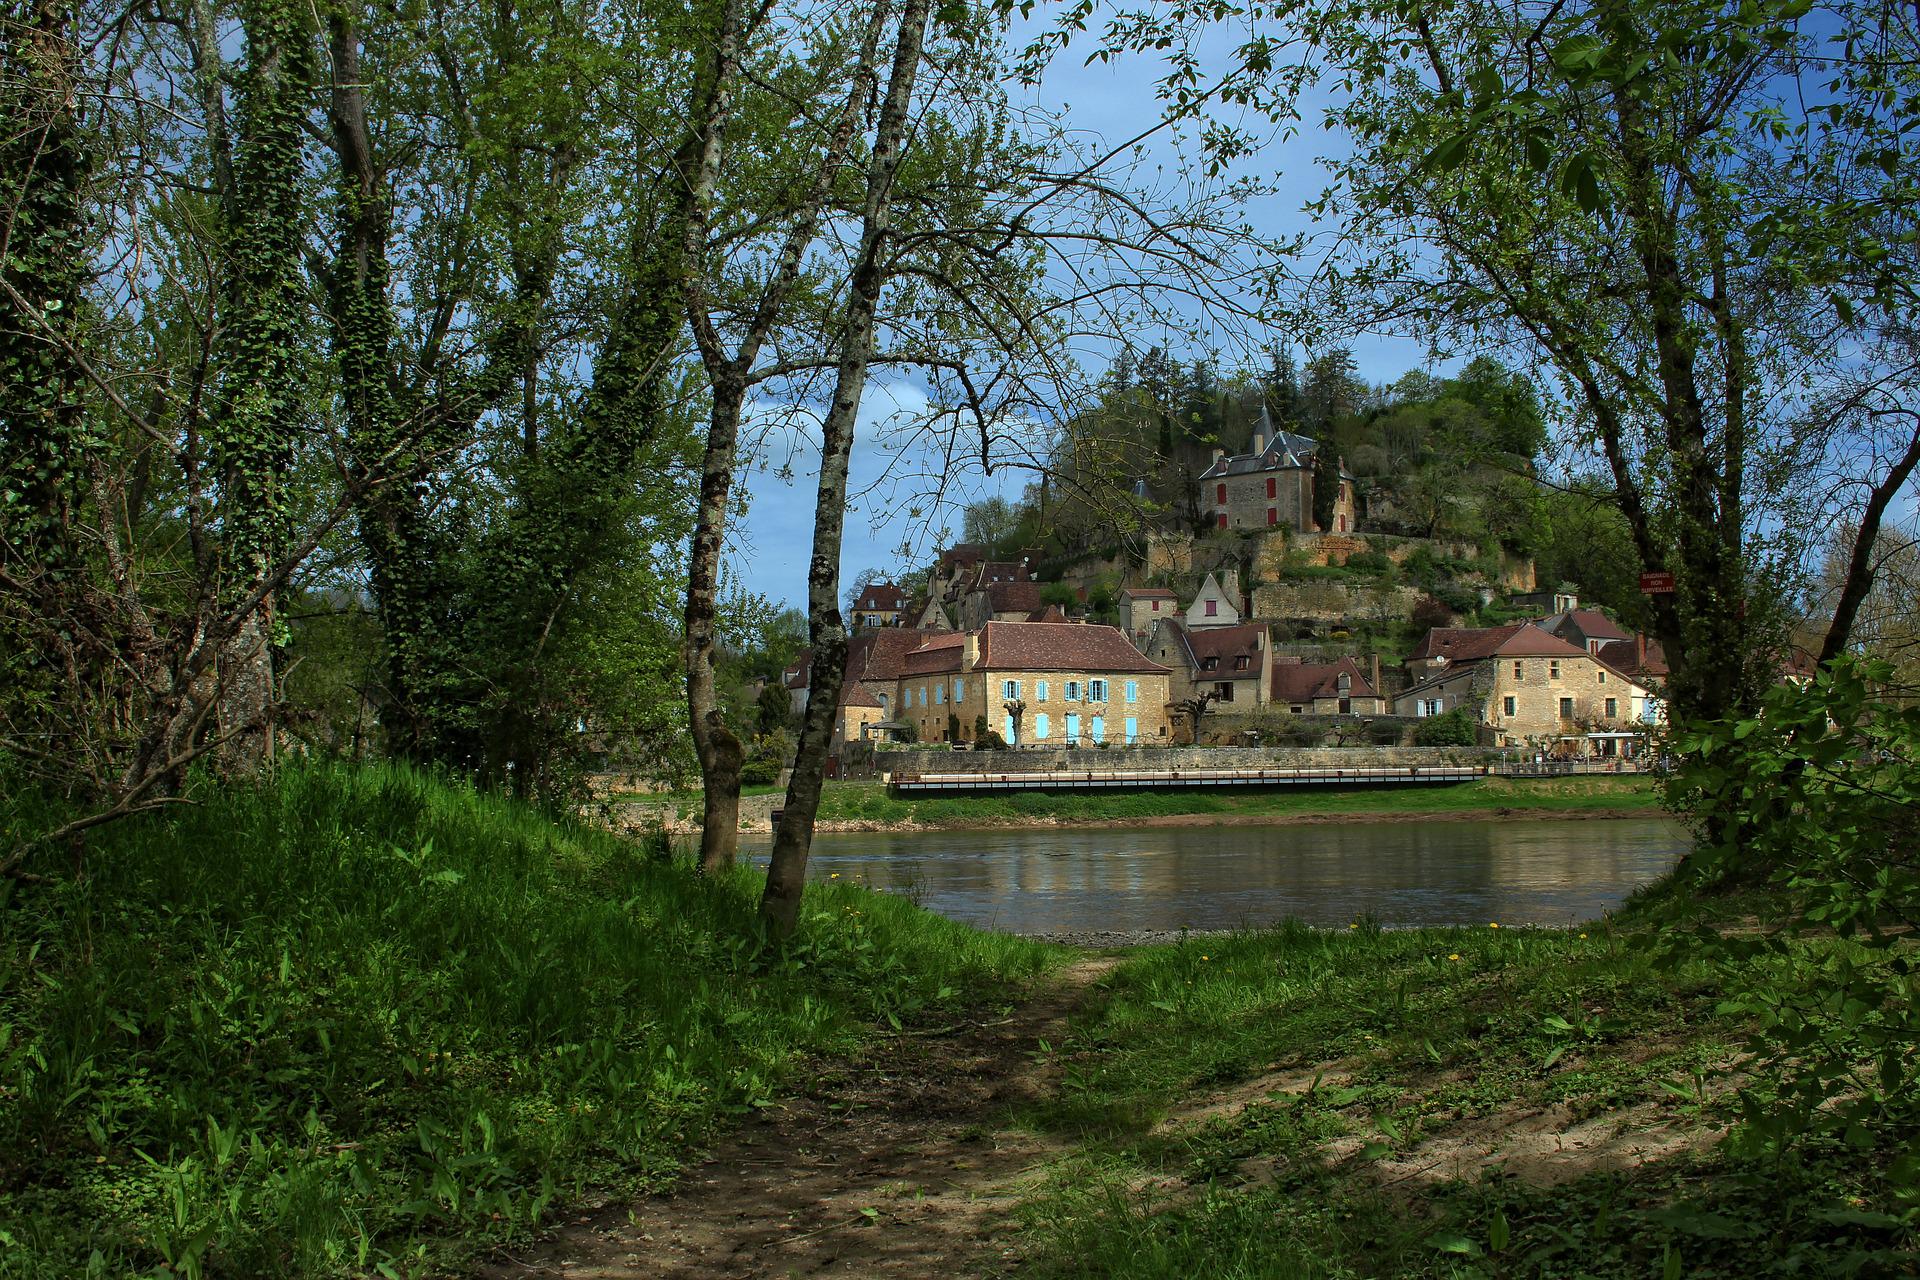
column 1369, row 562
column 1456, row 728
column 1384, row 733
column 1819, row 795
column 1429, row 613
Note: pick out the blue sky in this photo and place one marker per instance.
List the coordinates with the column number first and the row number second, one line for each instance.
column 890, row 488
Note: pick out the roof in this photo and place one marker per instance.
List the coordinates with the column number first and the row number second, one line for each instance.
column 963, row 553
column 1591, row 623
column 1471, row 644
column 1049, row 646
column 855, row 694
column 1626, row 657
column 936, row 653
column 1224, row 645
column 877, row 655
column 796, row 675
column 1305, row 681
column 881, row 596
column 1148, row 593
column 1051, row 613
column 1014, row 597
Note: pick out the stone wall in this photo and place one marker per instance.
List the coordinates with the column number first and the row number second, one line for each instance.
column 1324, row 601
column 1172, row 758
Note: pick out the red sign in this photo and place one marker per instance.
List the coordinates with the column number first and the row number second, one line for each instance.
column 1659, row 582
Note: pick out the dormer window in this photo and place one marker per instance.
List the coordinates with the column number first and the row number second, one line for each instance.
column 1208, row 664
column 1240, row 663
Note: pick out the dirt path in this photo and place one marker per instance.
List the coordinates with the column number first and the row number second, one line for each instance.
column 899, row 1163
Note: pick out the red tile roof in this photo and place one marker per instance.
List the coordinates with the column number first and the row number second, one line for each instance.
column 880, row 597
column 878, row 655
column 1624, row 656
column 1225, row 645
column 1014, row 597
column 1047, row 646
column 1305, row 681
column 855, row 694
column 1470, row 644
column 937, row 653
column 1149, row 593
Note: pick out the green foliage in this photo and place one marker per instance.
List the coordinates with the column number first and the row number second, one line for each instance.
column 319, row 1028
column 1818, row 794
column 1455, row 728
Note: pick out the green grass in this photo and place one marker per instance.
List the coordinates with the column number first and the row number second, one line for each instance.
column 1380, row 1040
column 869, row 801
column 338, row 1023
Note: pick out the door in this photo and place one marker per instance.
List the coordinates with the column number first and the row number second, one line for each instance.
column 1073, row 728
column 1133, row 730
column 1012, row 739
column 1099, row 730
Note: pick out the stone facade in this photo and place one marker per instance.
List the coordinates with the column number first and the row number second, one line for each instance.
column 1072, row 682
column 1535, row 690
column 1271, row 486
column 1142, row 608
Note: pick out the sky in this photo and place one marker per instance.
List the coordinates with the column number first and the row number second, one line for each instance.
column 888, row 486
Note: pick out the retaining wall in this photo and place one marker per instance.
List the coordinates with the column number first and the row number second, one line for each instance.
column 1083, row 759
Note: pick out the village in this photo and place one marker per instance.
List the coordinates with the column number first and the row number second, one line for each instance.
column 990, row 653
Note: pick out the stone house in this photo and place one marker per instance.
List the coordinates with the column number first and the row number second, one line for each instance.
column 1000, row 600
column 1338, row 688
column 1271, row 485
column 1217, row 604
column 880, row 604
column 1235, row 663
column 1588, row 628
column 1143, row 608
column 858, row 715
column 1529, row 688
column 1037, row 684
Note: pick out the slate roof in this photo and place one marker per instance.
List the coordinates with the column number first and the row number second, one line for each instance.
column 1284, row 452
column 1305, row 681
column 1050, row 646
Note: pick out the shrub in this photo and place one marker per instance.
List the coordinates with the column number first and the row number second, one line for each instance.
column 1429, row 612
column 1456, row 728
column 1369, row 562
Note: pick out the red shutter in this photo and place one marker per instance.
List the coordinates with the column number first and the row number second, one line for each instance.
column 1273, row 516
column 1220, row 494
column 1273, row 487
column 1223, row 519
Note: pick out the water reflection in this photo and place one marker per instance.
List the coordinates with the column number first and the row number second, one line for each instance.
column 1075, row 880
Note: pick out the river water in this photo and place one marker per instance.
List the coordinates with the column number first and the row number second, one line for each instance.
column 1083, row 880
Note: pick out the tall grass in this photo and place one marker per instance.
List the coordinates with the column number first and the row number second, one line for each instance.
column 336, row 1023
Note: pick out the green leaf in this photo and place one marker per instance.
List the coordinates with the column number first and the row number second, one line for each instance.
column 1453, row 1242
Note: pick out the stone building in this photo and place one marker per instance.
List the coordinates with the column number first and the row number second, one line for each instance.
column 880, row 604
column 1271, row 485
column 1142, row 608
column 1234, row 664
column 1532, row 689
column 1001, row 600
column 1217, row 604
column 1327, row 688
column 1036, row 684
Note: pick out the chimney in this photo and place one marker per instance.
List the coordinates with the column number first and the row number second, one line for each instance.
column 1230, row 587
column 970, row 651
column 1375, row 671
column 1219, row 454
column 1259, row 442
column 1639, row 653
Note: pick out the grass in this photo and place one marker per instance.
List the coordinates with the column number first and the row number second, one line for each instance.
column 869, row 802
column 1351, row 1058
column 360, row 1021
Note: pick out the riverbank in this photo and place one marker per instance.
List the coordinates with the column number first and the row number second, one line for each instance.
column 866, row 806
column 1427, row 1103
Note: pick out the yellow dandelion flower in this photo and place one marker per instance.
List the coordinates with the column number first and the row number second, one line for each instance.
column 1454, row 956
column 1493, row 924
column 834, row 876
column 1206, row 957
column 1583, row 935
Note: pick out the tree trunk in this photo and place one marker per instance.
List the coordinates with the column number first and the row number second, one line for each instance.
column 786, row 873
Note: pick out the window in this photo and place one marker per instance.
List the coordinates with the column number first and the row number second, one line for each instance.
column 1507, row 705
column 1223, row 692
column 1343, row 524
column 959, row 689
column 1010, row 690
column 939, row 694
column 1096, row 692
column 1156, row 606
column 1073, row 691
column 1040, row 726
column 1553, row 671
column 1516, row 672
column 1220, row 494
column 1273, row 490
column 1613, row 707
column 1133, row 694
column 1040, row 693
column 1240, row 663
column 1601, row 677
column 1223, row 520
column 881, row 698
column 1213, row 608
column 1208, row 664
column 1566, row 708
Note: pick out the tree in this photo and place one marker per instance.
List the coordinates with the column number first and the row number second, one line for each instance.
column 1195, row 710
column 990, row 522
column 1016, row 710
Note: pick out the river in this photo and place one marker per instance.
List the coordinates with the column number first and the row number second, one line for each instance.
column 1079, row 880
